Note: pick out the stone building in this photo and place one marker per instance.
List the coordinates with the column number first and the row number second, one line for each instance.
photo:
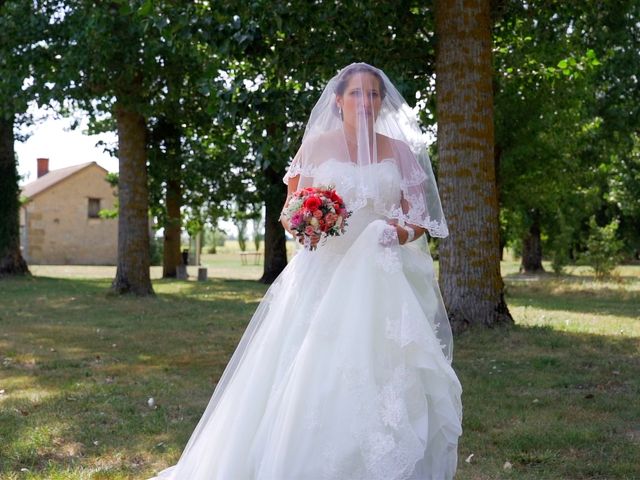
column 59, row 218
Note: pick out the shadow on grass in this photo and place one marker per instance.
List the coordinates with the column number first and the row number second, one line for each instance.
column 618, row 277
column 553, row 293
column 79, row 368
column 554, row 404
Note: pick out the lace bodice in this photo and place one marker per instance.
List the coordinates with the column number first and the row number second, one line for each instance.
column 385, row 182
column 384, row 178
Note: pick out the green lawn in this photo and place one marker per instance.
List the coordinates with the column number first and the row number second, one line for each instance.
column 556, row 396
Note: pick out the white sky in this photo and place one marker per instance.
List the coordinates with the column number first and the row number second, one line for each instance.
column 53, row 139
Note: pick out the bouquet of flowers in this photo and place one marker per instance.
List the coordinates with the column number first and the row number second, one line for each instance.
column 316, row 211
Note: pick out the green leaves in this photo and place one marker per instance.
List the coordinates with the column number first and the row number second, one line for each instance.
column 566, row 113
column 603, row 248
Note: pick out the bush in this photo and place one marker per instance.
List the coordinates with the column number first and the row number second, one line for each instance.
column 215, row 238
column 603, row 248
column 156, row 250
column 560, row 244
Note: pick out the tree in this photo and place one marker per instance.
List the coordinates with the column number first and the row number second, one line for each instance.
column 566, row 115
column 166, row 163
column 20, row 59
column 139, row 81
column 469, row 258
column 118, row 82
column 603, row 248
column 273, row 91
column 132, row 275
column 180, row 123
column 257, row 234
column 11, row 261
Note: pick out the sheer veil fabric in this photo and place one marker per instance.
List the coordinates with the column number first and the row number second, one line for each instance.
column 344, row 371
column 362, row 120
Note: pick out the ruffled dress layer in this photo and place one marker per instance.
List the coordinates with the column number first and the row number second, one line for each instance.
column 339, row 375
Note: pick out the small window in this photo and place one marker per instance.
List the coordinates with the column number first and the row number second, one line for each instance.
column 94, row 208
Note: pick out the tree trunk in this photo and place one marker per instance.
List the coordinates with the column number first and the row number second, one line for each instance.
column 532, row 250
column 11, row 261
column 132, row 275
column 470, row 257
column 275, row 245
column 171, row 255
column 497, row 156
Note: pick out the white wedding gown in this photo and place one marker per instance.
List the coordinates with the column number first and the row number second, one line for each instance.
column 339, row 375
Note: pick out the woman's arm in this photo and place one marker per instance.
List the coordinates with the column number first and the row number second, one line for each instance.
column 402, row 232
column 292, row 187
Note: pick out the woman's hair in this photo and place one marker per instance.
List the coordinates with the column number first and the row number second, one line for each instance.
column 348, row 72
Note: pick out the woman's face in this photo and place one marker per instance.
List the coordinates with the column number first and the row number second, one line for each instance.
column 361, row 99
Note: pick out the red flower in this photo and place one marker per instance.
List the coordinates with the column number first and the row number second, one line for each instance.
column 312, row 203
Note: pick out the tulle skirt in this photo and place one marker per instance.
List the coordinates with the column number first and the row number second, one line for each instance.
column 338, row 376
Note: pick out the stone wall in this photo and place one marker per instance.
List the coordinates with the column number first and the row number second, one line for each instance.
column 58, row 228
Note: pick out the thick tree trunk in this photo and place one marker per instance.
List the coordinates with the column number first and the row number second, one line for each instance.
column 497, row 155
column 532, row 250
column 171, row 255
column 470, row 257
column 275, row 245
column 132, row 275
column 11, row 261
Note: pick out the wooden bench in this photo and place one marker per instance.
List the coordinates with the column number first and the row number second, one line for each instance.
column 245, row 256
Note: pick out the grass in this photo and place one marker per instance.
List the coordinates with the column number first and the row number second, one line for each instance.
column 556, row 395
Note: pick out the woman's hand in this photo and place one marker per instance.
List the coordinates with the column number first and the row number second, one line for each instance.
column 401, row 232
column 313, row 240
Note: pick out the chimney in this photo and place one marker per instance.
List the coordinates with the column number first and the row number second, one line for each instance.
column 43, row 166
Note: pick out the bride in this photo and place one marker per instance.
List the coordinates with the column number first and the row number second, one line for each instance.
column 344, row 371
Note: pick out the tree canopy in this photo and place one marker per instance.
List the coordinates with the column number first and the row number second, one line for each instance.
column 210, row 99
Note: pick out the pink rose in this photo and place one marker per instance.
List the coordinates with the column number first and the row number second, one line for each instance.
column 296, row 220
column 318, row 214
column 309, row 230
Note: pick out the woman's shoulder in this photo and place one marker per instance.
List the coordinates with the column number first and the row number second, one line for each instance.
column 330, row 136
column 392, row 147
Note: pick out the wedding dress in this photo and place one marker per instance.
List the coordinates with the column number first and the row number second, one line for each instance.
column 344, row 371
column 340, row 374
